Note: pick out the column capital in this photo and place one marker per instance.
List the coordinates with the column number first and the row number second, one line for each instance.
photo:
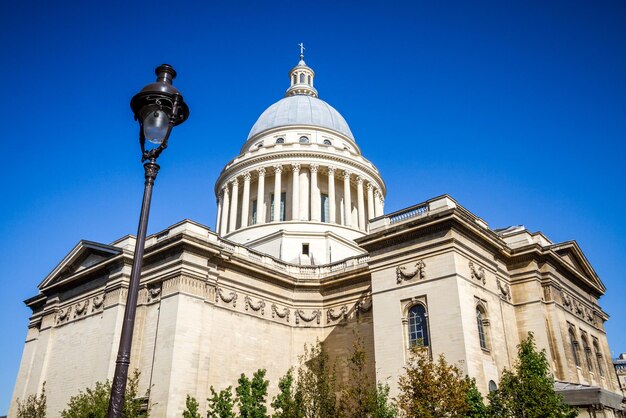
column 359, row 180
column 295, row 167
column 246, row 176
column 235, row 181
column 377, row 194
column 278, row 168
column 347, row 174
column 314, row 168
column 369, row 186
column 331, row 170
column 261, row 171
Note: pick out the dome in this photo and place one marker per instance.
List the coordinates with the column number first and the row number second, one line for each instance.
column 301, row 110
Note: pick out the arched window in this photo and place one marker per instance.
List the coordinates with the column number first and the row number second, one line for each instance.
column 304, row 139
column 574, row 344
column 418, row 327
column 480, row 323
column 587, row 351
column 308, row 79
column 295, row 79
column 492, row 386
column 301, row 77
column 599, row 359
column 280, row 140
column 327, row 142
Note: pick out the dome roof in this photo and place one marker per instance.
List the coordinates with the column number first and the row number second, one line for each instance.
column 301, row 110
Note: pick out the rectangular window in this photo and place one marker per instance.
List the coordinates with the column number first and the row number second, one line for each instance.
column 305, row 249
column 283, row 198
column 253, row 213
column 324, row 206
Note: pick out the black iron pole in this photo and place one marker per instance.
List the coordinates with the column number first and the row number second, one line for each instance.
column 116, row 402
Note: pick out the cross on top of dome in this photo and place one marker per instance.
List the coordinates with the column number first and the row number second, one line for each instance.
column 301, row 77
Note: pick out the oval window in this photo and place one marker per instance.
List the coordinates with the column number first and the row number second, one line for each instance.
column 280, row 140
column 304, row 139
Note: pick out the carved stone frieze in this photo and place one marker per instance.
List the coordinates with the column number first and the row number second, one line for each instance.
column 505, row 290
column 363, row 306
column 80, row 308
column 567, row 301
column 63, row 314
column 284, row 314
column 403, row 273
column 578, row 308
column 230, row 297
column 477, row 273
column 300, row 315
column 332, row 316
column 259, row 306
column 154, row 292
column 97, row 303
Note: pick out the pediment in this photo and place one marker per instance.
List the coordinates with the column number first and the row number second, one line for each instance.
column 571, row 254
column 83, row 256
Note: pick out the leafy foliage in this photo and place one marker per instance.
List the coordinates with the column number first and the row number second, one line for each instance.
column 361, row 397
column 191, row 408
column 317, row 384
column 432, row 389
column 94, row 402
column 315, row 392
column 285, row 403
column 34, row 406
column 528, row 390
column 251, row 395
column 221, row 404
column 476, row 405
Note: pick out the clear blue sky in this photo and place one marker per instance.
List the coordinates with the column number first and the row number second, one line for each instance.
column 516, row 109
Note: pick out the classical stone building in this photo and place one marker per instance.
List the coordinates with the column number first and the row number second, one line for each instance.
column 302, row 250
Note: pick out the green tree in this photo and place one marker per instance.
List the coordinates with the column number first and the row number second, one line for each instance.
column 476, row 405
column 361, row 397
column 384, row 408
column 528, row 390
column 285, row 403
column 221, row 404
column 94, row 402
column 34, row 406
column 316, row 389
column 251, row 395
column 432, row 389
column 191, row 408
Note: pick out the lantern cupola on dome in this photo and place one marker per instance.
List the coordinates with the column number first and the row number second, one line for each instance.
column 301, row 77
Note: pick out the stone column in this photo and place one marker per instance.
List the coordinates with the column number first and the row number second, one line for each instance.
column 382, row 204
column 224, row 220
column 219, row 212
column 304, row 195
column 295, row 191
column 347, row 205
column 377, row 207
column 260, row 197
column 370, row 201
column 278, row 169
column 331, row 195
column 360, row 202
column 245, row 200
column 315, row 195
column 234, row 197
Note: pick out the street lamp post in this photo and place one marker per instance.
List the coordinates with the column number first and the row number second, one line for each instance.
column 158, row 107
